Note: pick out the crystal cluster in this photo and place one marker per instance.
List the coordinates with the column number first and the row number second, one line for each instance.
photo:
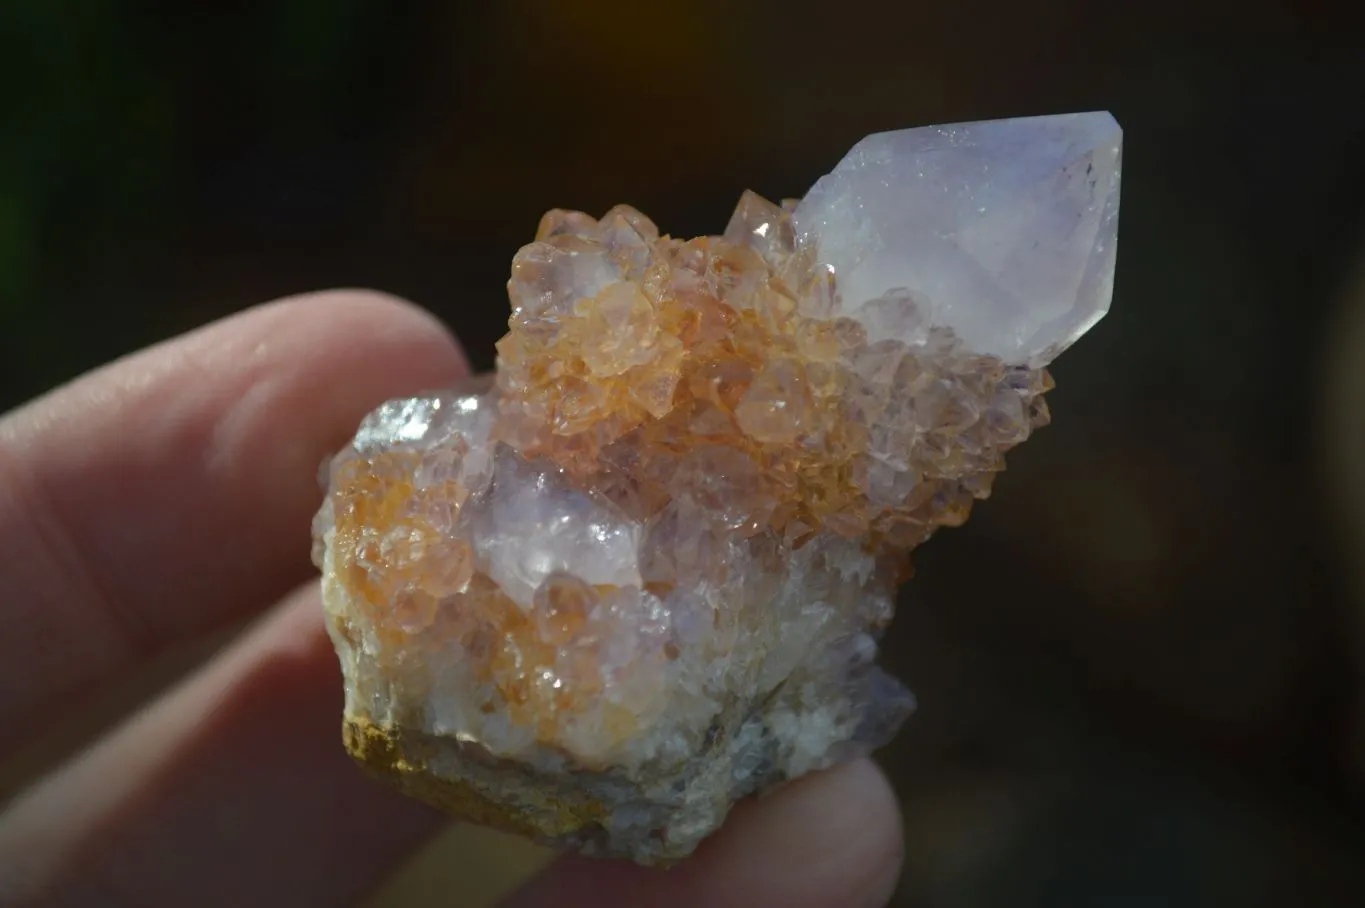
column 641, row 573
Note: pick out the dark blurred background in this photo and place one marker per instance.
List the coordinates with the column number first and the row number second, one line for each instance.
column 1140, row 665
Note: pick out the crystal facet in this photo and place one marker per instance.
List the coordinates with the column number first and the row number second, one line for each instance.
column 1007, row 229
column 642, row 573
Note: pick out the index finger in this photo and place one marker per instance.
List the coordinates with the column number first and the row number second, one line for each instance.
column 171, row 492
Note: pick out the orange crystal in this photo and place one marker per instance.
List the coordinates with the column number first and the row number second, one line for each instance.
column 675, row 524
column 628, row 350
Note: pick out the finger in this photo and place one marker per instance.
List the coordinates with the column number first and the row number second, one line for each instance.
column 832, row 840
column 232, row 790
column 171, row 492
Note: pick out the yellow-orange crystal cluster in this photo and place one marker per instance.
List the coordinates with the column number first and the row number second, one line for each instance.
column 642, row 573
column 634, row 357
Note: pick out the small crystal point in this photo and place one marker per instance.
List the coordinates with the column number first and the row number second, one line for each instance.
column 1007, row 228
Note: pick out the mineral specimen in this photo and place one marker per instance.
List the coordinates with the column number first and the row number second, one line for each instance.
column 642, row 574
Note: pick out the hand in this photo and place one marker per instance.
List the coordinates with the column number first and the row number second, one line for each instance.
column 170, row 494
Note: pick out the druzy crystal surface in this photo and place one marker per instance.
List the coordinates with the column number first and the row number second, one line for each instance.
column 641, row 572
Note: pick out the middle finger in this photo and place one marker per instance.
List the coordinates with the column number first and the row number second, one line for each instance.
column 231, row 790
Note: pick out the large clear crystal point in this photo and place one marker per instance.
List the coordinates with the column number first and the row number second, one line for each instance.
column 1005, row 230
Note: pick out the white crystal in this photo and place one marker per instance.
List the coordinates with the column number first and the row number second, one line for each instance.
column 532, row 523
column 1006, row 228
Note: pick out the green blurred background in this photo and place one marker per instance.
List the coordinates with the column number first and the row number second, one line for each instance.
column 1140, row 665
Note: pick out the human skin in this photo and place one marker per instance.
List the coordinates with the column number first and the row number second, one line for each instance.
column 169, row 494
